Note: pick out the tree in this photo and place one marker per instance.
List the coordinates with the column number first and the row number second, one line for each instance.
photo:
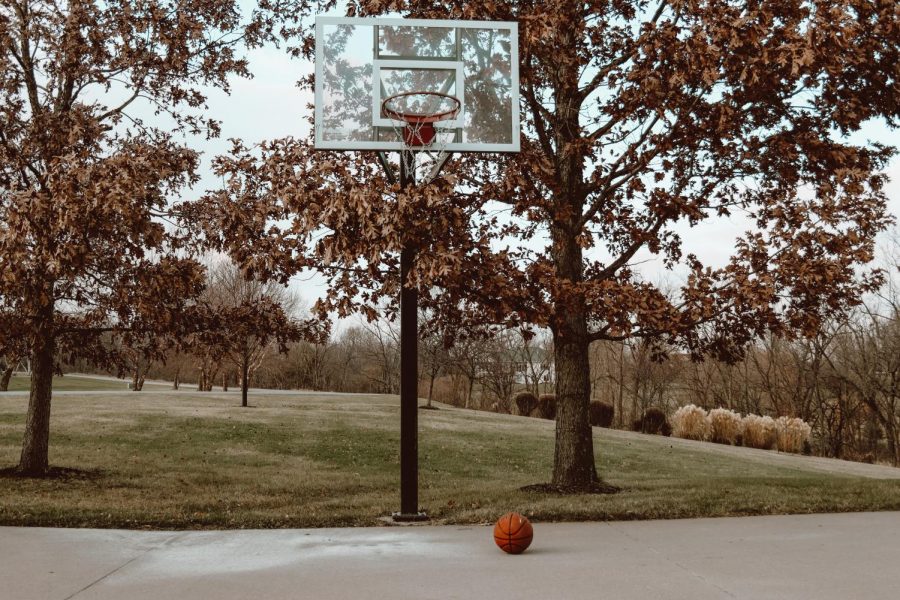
column 499, row 369
column 381, row 353
column 639, row 119
column 433, row 353
column 314, row 364
column 256, row 317
column 85, row 181
column 467, row 355
column 535, row 354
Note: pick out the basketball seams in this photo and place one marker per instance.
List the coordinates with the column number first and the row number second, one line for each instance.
column 513, row 541
column 521, row 525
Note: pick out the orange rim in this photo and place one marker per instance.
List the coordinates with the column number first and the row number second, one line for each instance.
column 416, row 118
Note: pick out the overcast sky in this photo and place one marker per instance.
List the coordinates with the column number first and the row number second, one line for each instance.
column 271, row 106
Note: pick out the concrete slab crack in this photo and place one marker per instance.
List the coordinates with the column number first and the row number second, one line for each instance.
column 165, row 542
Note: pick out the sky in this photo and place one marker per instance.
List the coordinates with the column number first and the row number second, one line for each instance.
column 272, row 106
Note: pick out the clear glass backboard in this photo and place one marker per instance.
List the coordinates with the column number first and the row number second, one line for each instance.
column 362, row 61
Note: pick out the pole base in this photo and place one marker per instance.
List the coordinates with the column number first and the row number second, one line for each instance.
column 410, row 517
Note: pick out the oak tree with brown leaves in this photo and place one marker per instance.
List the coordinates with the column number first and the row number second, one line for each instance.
column 641, row 119
column 85, row 179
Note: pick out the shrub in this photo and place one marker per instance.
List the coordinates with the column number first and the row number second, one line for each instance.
column 653, row 421
column 725, row 426
column 601, row 414
column 691, row 422
column 547, row 406
column 792, row 434
column 525, row 402
column 759, row 432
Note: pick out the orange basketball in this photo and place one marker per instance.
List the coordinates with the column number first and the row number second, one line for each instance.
column 513, row 533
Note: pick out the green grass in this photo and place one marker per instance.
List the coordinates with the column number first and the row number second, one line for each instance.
column 188, row 460
column 22, row 383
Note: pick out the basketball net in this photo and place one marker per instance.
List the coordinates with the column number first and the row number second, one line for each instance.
column 416, row 118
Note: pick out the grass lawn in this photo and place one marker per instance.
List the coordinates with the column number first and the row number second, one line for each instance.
column 189, row 460
column 22, row 383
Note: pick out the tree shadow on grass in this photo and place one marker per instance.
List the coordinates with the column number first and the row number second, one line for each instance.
column 54, row 473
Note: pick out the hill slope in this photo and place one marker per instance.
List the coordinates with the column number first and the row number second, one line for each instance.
column 189, row 460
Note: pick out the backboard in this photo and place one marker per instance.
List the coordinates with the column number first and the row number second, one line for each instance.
column 362, row 61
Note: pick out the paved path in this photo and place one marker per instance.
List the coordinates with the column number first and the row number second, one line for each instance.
column 821, row 557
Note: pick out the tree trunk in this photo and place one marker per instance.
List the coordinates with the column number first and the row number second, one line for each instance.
column 176, row 382
column 620, row 407
column 573, row 461
column 224, row 382
column 245, row 379
column 211, row 379
column 7, row 375
column 35, row 447
column 430, row 390
column 890, row 435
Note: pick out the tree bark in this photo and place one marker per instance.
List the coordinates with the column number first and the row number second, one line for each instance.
column 34, row 458
column 573, row 460
column 7, row 375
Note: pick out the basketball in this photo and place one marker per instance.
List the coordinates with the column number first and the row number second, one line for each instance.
column 513, row 533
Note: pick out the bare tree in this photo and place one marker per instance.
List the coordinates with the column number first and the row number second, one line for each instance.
column 535, row 354
column 499, row 368
column 381, row 350
column 467, row 356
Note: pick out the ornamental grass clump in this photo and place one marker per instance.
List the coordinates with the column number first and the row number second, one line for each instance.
column 792, row 434
column 691, row 422
column 759, row 432
column 725, row 426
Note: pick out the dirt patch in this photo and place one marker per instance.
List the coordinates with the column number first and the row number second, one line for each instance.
column 599, row 487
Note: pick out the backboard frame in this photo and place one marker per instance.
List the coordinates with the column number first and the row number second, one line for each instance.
column 408, row 62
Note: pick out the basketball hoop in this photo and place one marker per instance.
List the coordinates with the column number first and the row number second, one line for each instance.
column 415, row 116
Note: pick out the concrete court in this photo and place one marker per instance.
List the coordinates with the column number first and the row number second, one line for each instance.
column 822, row 557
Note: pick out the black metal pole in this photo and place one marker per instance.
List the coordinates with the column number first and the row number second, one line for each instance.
column 409, row 380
